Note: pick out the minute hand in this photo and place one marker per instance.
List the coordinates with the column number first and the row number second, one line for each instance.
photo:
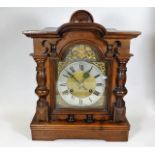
column 86, row 74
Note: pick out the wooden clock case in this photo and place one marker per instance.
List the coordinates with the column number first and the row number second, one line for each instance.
column 49, row 122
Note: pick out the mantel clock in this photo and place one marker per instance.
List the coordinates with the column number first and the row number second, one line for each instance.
column 81, row 76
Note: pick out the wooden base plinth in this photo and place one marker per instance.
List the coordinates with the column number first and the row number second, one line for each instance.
column 108, row 131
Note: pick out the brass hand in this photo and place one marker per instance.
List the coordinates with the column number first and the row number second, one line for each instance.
column 72, row 76
column 85, row 76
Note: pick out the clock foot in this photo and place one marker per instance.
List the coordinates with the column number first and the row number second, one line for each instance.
column 89, row 118
column 71, row 118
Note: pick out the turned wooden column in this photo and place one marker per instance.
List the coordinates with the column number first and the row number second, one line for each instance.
column 120, row 90
column 41, row 90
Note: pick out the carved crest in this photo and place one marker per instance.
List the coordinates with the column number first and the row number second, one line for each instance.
column 81, row 16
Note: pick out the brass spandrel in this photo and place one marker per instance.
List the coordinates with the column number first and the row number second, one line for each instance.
column 81, row 51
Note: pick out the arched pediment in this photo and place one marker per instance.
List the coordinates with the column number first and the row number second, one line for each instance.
column 82, row 20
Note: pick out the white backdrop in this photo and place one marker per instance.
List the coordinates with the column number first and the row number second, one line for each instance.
column 17, row 80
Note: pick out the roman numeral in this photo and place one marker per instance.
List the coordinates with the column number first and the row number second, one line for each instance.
column 90, row 69
column 80, row 101
column 96, row 76
column 96, row 93
column 72, row 69
column 65, row 92
column 66, row 76
column 70, row 74
column 63, row 84
column 99, row 84
column 81, row 67
column 90, row 99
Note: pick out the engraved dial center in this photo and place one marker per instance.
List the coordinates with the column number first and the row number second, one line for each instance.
column 84, row 87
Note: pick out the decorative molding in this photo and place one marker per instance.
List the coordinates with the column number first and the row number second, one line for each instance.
column 41, row 90
column 91, row 27
column 113, row 49
column 120, row 91
column 50, row 48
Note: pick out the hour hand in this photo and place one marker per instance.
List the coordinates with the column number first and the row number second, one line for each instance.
column 72, row 76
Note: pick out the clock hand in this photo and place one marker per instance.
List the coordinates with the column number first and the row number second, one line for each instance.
column 86, row 74
column 72, row 76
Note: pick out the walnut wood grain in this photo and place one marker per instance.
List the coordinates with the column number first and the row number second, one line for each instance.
column 50, row 46
column 41, row 90
column 108, row 131
column 120, row 90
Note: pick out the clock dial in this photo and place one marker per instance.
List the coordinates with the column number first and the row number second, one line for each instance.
column 81, row 84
